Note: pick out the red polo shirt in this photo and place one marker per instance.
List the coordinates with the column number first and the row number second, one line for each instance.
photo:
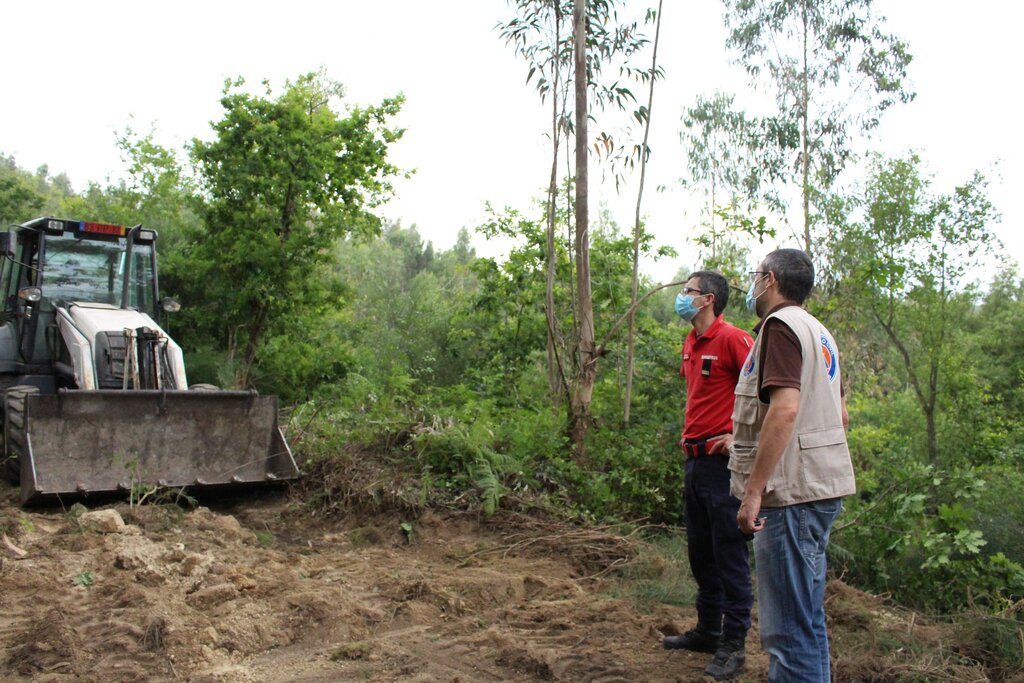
column 711, row 368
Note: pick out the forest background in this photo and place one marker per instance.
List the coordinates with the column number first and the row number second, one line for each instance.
column 464, row 372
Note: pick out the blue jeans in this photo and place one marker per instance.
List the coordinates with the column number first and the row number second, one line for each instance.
column 719, row 555
column 790, row 557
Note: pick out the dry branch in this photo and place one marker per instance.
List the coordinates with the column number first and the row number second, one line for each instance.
column 596, row 550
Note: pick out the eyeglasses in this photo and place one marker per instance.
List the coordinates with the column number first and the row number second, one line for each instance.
column 754, row 273
column 691, row 290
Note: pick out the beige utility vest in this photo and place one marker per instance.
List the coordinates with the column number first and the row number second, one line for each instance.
column 816, row 463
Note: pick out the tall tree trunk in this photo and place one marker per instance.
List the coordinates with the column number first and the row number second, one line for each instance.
column 555, row 377
column 630, row 345
column 929, row 407
column 584, row 387
column 805, row 146
column 714, row 199
column 932, row 439
column 255, row 331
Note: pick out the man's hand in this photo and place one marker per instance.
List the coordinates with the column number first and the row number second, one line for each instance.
column 719, row 444
column 747, row 518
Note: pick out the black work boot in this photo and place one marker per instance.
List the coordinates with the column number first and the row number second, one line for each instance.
column 696, row 639
column 729, row 661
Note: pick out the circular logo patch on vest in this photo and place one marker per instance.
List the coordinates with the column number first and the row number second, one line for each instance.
column 748, row 367
column 830, row 357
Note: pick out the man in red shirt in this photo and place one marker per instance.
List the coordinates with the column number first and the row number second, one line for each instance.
column 713, row 354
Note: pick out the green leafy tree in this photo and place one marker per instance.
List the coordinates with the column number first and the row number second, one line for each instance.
column 284, row 178
column 1000, row 338
column 19, row 199
column 910, row 263
column 542, row 34
column 156, row 192
column 833, row 70
column 404, row 299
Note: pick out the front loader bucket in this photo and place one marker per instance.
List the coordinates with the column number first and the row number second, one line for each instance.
column 83, row 442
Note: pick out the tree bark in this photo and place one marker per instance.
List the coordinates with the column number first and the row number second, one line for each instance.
column 255, row 331
column 584, row 386
column 555, row 377
column 805, row 145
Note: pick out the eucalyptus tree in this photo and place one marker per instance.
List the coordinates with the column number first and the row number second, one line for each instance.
column 583, row 389
column 735, row 158
column 833, row 71
column 596, row 43
column 539, row 34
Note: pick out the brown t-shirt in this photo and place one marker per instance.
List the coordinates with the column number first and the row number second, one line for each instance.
column 781, row 366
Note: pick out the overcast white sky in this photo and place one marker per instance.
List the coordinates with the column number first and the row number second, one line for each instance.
column 74, row 73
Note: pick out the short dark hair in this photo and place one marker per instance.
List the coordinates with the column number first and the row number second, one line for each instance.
column 713, row 283
column 794, row 271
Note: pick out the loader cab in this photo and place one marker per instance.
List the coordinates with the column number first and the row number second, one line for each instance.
column 50, row 263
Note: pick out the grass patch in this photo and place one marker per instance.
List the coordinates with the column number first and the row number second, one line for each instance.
column 364, row 536
column 264, row 538
column 660, row 573
column 83, row 579
column 996, row 641
column 359, row 649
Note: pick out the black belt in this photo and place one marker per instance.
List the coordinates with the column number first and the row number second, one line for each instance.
column 697, row 448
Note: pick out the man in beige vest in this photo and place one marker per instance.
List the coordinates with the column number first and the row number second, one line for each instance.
column 790, row 464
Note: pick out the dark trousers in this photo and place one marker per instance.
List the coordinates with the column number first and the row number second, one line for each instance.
column 719, row 555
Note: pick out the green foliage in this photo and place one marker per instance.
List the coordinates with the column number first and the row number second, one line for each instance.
column 284, row 178
column 915, row 534
column 931, row 437
column 85, row 579
column 995, row 640
column 909, row 261
column 833, row 71
column 999, row 511
column 19, row 198
column 264, row 538
column 464, row 454
column 733, row 157
column 541, row 33
column 430, row 365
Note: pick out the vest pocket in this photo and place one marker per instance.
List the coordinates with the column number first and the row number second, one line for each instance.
column 819, row 451
column 745, row 407
column 741, row 462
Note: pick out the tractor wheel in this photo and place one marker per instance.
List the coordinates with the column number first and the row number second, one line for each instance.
column 14, row 428
column 204, row 387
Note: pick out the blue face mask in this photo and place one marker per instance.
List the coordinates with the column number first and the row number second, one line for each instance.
column 751, row 299
column 685, row 308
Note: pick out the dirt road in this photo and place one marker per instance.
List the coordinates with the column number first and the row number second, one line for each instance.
column 263, row 591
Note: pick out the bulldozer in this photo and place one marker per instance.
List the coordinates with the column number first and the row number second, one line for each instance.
column 95, row 396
